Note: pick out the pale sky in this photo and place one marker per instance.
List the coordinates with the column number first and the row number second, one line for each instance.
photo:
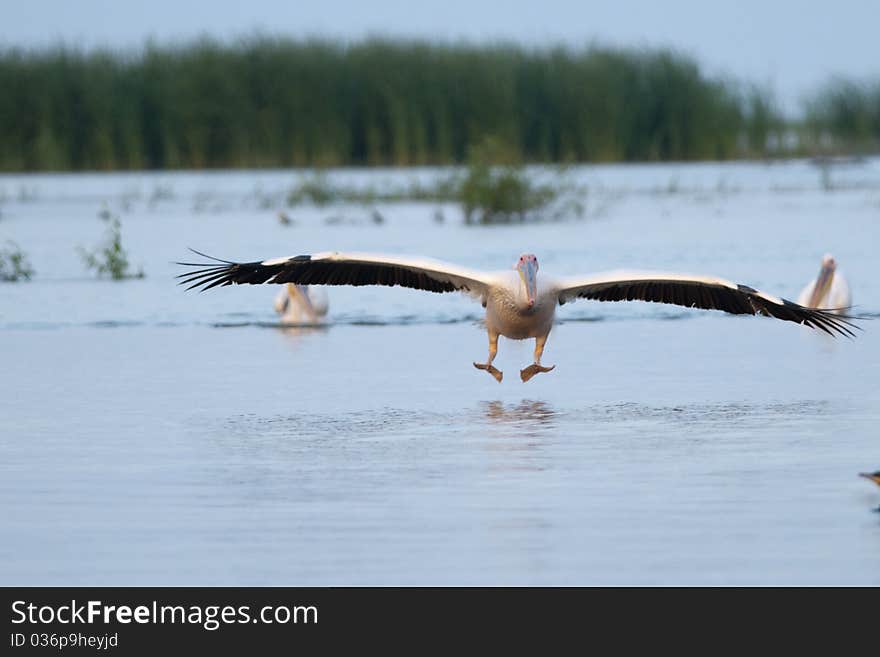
column 792, row 45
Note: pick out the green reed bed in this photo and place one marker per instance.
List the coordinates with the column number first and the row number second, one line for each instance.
column 844, row 115
column 278, row 102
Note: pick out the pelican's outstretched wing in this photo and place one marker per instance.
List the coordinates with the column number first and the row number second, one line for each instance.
column 700, row 292
column 334, row 268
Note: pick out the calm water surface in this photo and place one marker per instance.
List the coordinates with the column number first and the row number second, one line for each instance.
column 154, row 436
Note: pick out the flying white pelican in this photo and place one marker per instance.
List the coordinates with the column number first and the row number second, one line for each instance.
column 299, row 303
column 517, row 305
column 829, row 291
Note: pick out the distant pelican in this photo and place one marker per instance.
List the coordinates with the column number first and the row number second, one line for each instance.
column 829, row 291
column 298, row 304
column 517, row 306
column 873, row 476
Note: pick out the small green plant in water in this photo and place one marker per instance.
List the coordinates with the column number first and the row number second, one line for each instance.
column 499, row 194
column 14, row 265
column 111, row 258
column 316, row 190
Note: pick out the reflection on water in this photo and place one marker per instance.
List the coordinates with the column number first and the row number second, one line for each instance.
column 518, row 433
column 271, row 325
column 527, row 413
column 297, row 335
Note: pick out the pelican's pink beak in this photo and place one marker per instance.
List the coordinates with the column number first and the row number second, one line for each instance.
column 528, row 271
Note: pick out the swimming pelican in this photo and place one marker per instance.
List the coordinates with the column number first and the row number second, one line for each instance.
column 829, row 291
column 300, row 303
column 873, row 476
column 518, row 305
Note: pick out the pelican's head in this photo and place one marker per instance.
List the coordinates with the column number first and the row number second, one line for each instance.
column 873, row 476
column 527, row 266
column 823, row 281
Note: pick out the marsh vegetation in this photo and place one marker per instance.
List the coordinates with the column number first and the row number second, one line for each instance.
column 277, row 102
column 14, row 264
column 494, row 187
column 844, row 115
column 110, row 258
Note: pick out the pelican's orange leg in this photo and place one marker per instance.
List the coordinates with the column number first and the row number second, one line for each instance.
column 493, row 349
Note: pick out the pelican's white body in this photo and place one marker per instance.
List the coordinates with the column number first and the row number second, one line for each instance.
column 838, row 298
column 301, row 304
column 508, row 312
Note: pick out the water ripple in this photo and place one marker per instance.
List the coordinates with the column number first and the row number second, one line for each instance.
column 249, row 320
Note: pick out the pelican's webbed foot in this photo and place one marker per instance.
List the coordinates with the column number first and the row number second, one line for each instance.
column 491, row 369
column 533, row 369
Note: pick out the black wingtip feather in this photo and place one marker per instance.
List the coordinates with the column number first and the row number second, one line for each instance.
column 304, row 270
column 205, row 255
column 741, row 300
